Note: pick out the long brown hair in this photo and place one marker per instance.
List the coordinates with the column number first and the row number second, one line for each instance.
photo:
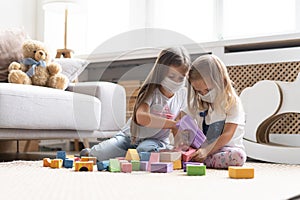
column 175, row 57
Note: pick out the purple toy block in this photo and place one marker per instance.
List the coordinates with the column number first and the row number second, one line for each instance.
column 191, row 163
column 162, row 167
column 189, row 133
column 144, row 165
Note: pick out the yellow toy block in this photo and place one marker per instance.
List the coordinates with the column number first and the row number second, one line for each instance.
column 84, row 166
column 94, row 159
column 46, row 162
column 177, row 164
column 132, row 154
column 56, row 163
column 241, row 172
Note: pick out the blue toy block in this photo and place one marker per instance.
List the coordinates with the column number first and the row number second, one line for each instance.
column 61, row 155
column 103, row 165
column 68, row 163
column 145, row 156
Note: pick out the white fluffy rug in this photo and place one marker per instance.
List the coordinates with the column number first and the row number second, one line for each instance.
column 29, row 180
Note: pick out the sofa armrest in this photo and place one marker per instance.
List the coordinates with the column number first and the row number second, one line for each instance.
column 113, row 102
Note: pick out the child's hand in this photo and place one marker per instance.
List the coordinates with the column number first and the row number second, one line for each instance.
column 200, row 155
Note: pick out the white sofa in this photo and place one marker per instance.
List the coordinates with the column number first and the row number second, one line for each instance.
column 85, row 110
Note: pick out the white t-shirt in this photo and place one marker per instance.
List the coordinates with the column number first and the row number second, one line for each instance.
column 162, row 106
column 235, row 115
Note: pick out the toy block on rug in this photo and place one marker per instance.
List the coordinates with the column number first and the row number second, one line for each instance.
column 103, row 165
column 144, row 156
column 114, row 165
column 87, row 158
column 46, row 162
column 61, row 155
column 154, row 158
column 169, row 156
column 132, row 154
column 240, row 172
column 187, row 155
column 135, row 165
column 126, row 167
column 56, row 163
column 144, row 165
column 177, row 164
column 195, row 170
column 191, row 163
column 84, row 166
column 161, row 167
column 69, row 163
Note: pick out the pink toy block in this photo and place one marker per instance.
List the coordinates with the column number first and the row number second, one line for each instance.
column 187, row 155
column 162, row 167
column 126, row 167
column 154, row 157
column 120, row 158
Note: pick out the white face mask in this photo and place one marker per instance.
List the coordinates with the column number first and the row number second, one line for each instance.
column 171, row 86
column 210, row 96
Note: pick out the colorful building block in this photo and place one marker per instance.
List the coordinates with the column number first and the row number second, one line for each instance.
column 86, row 158
column 144, row 165
column 135, row 165
column 144, row 156
column 192, row 163
column 68, row 163
column 46, row 162
column 84, row 166
column 126, row 167
column 132, row 154
column 154, row 158
column 240, row 172
column 114, row 165
column 56, row 163
column 169, row 156
column 195, row 170
column 177, row 164
column 162, row 167
column 103, row 165
column 61, row 155
column 187, row 155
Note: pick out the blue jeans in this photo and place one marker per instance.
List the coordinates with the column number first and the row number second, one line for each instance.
column 118, row 145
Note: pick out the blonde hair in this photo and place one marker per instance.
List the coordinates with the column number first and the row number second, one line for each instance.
column 210, row 68
column 175, row 57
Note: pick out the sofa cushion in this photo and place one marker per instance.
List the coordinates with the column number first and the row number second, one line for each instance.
column 35, row 107
column 11, row 41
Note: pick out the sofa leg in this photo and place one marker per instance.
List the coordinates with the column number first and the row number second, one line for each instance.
column 18, row 147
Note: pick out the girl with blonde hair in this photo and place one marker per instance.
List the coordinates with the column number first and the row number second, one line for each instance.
column 213, row 102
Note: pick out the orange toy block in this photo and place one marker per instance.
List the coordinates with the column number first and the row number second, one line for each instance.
column 86, row 158
column 132, row 154
column 241, row 172
column 46, row 162
column 56, row 163
column 177, row 164
column 84, row 166
column 169, row 156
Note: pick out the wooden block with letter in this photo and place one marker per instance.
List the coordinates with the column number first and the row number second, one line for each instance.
column 241, row 172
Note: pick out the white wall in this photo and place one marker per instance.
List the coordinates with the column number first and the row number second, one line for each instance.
column 20, row 14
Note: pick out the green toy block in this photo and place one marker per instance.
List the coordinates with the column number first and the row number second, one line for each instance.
column 114, row 165
column 135, row 165
column 195, row 170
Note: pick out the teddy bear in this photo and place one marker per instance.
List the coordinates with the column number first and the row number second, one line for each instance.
column 36, row 68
